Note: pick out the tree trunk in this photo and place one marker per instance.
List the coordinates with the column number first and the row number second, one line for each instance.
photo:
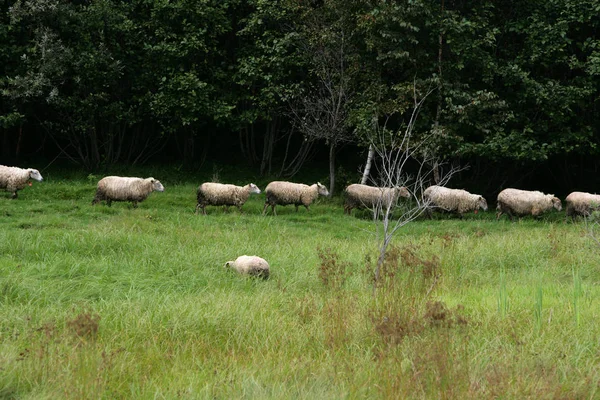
column 367, row 170
column 331, row 167
column 438, row 112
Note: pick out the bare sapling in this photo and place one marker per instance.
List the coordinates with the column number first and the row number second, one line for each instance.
column 402, row 160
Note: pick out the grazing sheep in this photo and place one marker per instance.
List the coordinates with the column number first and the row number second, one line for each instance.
column 363, row 196
column 283, row 193
column 453, row 200
column 218, row 194
column 14, row 179
column 250, row 265
column 117, row 188
column 581, row 203
column 525, row 202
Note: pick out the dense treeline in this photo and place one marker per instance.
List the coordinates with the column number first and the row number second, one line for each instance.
column 272, row 83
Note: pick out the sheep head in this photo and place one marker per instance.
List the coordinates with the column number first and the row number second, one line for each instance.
column 402, row 191
column 556, row 203
column 156, row 185
column 482, row 203
column 253, row 188
column 322, row 190
column 35, row 174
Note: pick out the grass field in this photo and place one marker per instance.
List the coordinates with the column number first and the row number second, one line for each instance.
column 120, row 303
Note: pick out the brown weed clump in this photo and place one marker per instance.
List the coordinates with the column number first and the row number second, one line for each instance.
column 333, row 272
column 402, row 305
column 84, row 326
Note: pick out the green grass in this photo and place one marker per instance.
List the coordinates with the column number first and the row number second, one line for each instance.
column 99, row 302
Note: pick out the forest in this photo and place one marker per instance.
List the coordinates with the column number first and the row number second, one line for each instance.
column 509, row 89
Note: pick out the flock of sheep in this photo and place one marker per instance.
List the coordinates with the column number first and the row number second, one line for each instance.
column 512, row 202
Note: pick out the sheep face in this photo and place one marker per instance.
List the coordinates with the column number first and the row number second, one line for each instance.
column 322, row 190
column 35, row 175
column 254, row 188
column 156, row 185
column 556, row 203
column 403, row 192
column 482, row 203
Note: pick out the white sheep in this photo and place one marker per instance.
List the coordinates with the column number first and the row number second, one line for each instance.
column 117, row 188
column 283, row 193
column 218, row 194
column 14, row 179
column 452, row 200
column 363, row 196
column 250, row 265
column 581, row 203
column 525, row 202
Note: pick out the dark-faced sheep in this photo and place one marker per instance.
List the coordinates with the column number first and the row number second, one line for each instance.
column 117, row 188
column 363, row 196
column 284, row 193
column 14, row 179
column 218, row 194
column 456, row 201
column 525, row 202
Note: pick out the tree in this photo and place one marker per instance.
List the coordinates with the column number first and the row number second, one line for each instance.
column 328, row 40
column 404, row 159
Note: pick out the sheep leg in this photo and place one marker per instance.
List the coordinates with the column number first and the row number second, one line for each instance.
column 273, row 209
column 14, row 195
column 428, row 212
column 265, row 208
column 135, row 204
column 108, row 202
column 307, row 208
column 510, row 215
column 239, row 208
column 296, row 205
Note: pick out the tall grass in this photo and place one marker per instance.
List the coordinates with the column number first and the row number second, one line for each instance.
column 100, row 302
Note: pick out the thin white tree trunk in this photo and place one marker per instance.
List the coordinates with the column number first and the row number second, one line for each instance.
column 367, row 169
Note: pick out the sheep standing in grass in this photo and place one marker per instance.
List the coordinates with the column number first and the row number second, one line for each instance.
column 250, row 265
column 117, row 188
column 284, row 193
column 363, row 196
column 581, row 203
column 525, row 202
column 452, row 200
column 14, row 179
column 218, row 194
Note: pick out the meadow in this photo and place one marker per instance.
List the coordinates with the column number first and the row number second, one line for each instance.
column 120, row 303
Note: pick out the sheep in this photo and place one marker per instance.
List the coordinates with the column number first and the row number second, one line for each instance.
column 117, row 188
column 14, row 179
column 525, row 202
column 250, row 265
column 452, row 200
column 363, row 196
column 217, row 194
column 581, row 203
column 283, row 193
